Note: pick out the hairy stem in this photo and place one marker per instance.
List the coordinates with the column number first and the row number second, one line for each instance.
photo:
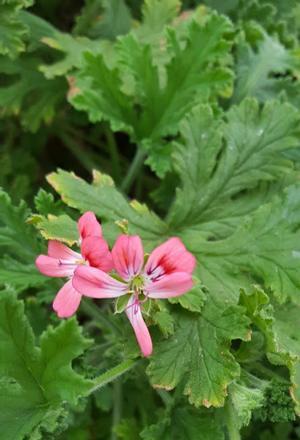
column 134, row 169
column 113, row 374
column 232, row 428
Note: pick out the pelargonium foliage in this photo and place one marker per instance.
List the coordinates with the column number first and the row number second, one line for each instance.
column 151, row 288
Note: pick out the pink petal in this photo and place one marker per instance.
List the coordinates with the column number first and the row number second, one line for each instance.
column 133, row 311
column 58, row 250
column 128, row 256
column 170, row 257
column 95, row 283
column 88, row 225
column 95, row 250
column 168, row 286
column 53, row 267
column 66, row 301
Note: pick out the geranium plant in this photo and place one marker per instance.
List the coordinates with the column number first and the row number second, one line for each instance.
column 149, row 220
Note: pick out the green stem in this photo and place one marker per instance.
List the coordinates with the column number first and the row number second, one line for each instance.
column 94, row 312
column 267, row 372
column 113, row 374
column 232, row 428
column 114, row 154
column 134, row 169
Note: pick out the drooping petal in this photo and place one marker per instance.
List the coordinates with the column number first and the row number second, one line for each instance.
column 96, row 251
column 171, row 256
column 167, row 286
column 133, row 311
column 128, row 256
column 53, row 267
column 95, row 283
column 56, row 249
column 88, row 225
column 66, row 301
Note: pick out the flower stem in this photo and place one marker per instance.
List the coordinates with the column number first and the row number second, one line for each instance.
column 113, row 374
column 134, row 169
column 232, row 428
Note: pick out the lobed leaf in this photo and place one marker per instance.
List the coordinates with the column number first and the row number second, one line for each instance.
column 36, row 380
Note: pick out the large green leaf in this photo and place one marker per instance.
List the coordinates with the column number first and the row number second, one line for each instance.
column 266, row 247
column 148, row 101
column 36, row 380
column 212, row 175
column 198, row 354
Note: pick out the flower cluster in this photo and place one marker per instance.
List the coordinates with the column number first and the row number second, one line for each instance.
column 166, row 273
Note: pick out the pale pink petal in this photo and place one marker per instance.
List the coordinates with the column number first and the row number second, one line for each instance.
column 96, row 251
column 66, row 301
column 169, row 257
column 133, row 311
column 168, row 286
column 53, row 267
column 88, row 225
column 128, row 256
column 58, row 250
column 95, row 283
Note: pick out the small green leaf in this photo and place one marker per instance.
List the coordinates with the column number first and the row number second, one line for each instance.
column 193, row 300
column 61, row 228
column 108, row 203
column 12, row 29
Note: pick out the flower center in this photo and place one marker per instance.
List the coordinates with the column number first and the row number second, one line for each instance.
column 137, row 284
column 80, row 262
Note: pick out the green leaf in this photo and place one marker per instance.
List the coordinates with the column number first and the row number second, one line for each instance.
column 19, row 275
column 104, row 19
column 149, row 101
column 198, row 354
column 61, row 228
column 16, row 237
column 266, row 247
column 73, row 49
column 246, row 395
column 193, row 300
column 12, row 29
column 29, row 93
column 212, row 175
column 108, row 203
column 98, row 91
column 279, row 326
column 165, row 322
column 259, row 73
column 157, row 15
column 45, row 204
column 184, row 422
column 36, row 380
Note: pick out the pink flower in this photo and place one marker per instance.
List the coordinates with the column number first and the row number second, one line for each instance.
column 167, row 273
column 62, row 261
